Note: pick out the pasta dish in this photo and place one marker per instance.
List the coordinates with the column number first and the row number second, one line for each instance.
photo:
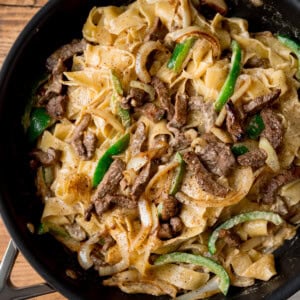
column 166, row 147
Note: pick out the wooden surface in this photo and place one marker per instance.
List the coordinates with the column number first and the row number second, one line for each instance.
column 14, row 15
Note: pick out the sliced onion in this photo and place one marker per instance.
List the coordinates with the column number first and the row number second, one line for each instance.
column 84, row 256
column 137, row 162
column 141, row 59
column 149, row 89
column 272, row 160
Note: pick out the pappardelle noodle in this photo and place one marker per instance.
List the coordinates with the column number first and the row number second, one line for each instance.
column 167, row 148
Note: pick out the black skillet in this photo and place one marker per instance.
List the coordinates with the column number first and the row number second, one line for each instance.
column 57, row 23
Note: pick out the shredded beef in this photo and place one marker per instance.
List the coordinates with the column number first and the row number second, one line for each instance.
column 157, row 32
column 216, row 156
column 273, row 131
column 49, row 158
column 269, row 191
column 76, row 232
column 163, row 96
column 142, row 179
column 255, row 158
column 233, row 122
column 151, row 111
column 180, row 116
column 230, row 238
column 138, row 139
column 203, row 177
column 57, row 106
column 261, row 102
column 170, row 208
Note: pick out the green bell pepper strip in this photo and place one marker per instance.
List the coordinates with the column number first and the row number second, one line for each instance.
column 105, row 161
column 39, row 121
column 241, row 218
column 46, row 227
column 179, row 54
column 238, row 150
column 255, row 127
column 177, row 179
column 293, row 46
column 118, row 91
column 214, row 267
column 229, row 85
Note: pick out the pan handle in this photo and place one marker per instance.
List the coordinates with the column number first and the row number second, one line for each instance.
column 10, row 292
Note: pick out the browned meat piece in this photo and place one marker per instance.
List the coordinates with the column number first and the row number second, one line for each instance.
column 206, row 109
column 135, row 98
column 257, row 62
column 203, row 177
column 110, row 180
column 176, row 225
column 163, row 96
column 218, row 5
column 255, row 158
column 151, row 111
column 88, row 212
column 76, row 232
column 270, row 189
column 57, row 106
column 49, row 158
column 180, row 116
column 216, row 156
column 81, row 127
column 101, row 205
column 90, row 144
column 138, row 139
column 230, row 238
column 233, row 122
column 273, row 131
column 165, row 232
column 180, row 141
column 157, row 32
column 261, row 102
column 170, row 208
column 142, row 179
column 65, row 52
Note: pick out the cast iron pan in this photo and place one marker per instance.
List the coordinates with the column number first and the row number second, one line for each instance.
column 57, row 23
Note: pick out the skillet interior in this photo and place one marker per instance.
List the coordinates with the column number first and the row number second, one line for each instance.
column 18, row 203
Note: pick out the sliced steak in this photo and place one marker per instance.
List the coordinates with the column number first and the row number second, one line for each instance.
column 179, row 142
column 165, row 232
column 157, row 32
column 57, row 107
column 216, row 156
column 65, row 52
column 180, row 116
column 76, row 232
column 270, row 190
column 90, row 144
column 230, row 238
column 261, row 102
column 142, row 179
column 170, row 207
column 111, row 180
column 233, row 122
column 255, row 158
column 151, row 111
column 135, row 98
column 273, row 131
column 203, row 177
column 137, row 144
column 207, row 111
column 49, row 158
column 164, row 97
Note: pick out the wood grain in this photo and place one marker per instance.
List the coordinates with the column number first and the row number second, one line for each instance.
column 14, row 15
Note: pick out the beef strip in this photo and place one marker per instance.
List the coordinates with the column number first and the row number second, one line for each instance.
column 151, row 111
column 217, row 5
column 164, row 232
column 203, row 177
column 49, row 158
column 269, row 191
column 216, row 156
column 261, row 102
column 257, row 62
column 180, row 116
column 157, row 32
column 111, row 180
column 76, row 232
column 255, row 158
column 135, row 98
column 90, row 144
column 233, row 122
column 207, row 110
column 163, row 96
column 138, row 139
column 57, row 106
column 82, row 126
column 65, row 52
column 273, row 131
column 180, row 141
column 230, row 238
column 142, row 179
column 170, row 207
